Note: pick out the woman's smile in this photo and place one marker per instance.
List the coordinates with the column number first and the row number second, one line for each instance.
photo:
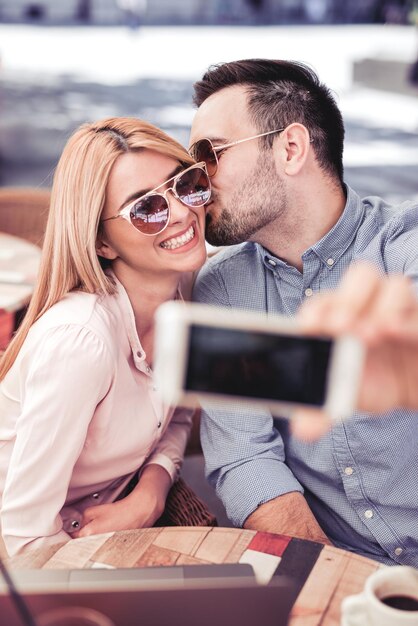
column 183, row 241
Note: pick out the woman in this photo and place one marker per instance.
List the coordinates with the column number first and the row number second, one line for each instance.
column 79, row 412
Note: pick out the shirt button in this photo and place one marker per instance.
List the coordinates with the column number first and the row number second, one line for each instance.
column 148, row 369
column 398, row 551
column 139, row 353
column 308, row 292
column 75, row 524
column 330, row 261
column 348, row 471
column 95, row 496
column 159, row 425
column 272, row 263
column 368, row 513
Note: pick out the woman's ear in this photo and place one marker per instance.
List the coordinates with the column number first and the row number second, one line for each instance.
column 103, row 248
column 295, row 144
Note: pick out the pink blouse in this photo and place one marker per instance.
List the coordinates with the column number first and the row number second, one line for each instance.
column 79, row 414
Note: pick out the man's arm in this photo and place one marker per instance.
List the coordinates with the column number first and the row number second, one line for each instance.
column 245, row 458
column 288, row 514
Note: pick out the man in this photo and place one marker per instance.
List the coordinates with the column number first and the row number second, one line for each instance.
column 273, row 142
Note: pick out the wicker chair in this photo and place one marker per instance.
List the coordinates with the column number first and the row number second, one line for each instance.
column 184, row 508
column 24, row 211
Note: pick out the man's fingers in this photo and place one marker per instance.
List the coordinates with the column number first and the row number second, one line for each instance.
column 394, row 312
column 309, row 424
column 337, row 311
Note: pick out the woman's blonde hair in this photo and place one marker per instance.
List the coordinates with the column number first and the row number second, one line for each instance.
column 69, row 259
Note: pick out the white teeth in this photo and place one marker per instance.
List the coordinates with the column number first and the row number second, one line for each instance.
column 177, row 242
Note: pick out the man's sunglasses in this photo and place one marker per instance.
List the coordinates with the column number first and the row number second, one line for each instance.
column 204, row 150
column 150, row 214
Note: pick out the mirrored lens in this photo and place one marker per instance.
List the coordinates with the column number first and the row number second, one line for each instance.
column 203, row 151
column 193, row 187
column 150, row 214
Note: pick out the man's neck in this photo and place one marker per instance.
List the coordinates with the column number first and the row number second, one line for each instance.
column 306, row 222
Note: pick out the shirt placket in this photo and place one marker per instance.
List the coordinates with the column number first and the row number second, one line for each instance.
column 350, row 473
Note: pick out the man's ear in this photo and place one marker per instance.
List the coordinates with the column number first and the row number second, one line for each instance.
column 295, row 146
column 104, row 249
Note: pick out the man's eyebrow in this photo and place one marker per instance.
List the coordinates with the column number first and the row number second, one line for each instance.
column 214, row 140
column 142, row 192
column 219, row 141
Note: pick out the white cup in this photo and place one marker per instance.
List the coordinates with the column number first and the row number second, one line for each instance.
column 368, row 608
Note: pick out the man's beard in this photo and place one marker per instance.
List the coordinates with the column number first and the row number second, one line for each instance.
column 260, row 200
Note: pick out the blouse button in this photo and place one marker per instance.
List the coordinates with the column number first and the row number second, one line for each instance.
column 75, row 524
column 148, row 369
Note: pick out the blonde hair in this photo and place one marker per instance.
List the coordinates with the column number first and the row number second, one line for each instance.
column 69, row 259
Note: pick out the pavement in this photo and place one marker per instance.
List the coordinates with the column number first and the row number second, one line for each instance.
column 53, row 78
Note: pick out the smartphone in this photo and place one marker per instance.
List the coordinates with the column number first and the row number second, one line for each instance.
column 240, row 356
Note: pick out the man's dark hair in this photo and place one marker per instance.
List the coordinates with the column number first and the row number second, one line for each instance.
column 280, row 93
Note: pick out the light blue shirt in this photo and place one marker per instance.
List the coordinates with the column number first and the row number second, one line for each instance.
column 361, row 479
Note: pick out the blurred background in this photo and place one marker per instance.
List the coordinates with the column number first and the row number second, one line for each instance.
column 63, row 62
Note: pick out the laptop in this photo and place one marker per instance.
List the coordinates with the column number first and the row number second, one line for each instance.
column 184, row 595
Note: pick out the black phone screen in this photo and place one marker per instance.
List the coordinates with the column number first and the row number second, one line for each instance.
column 258, row 365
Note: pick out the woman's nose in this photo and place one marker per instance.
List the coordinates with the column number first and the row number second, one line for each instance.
column 178, row 210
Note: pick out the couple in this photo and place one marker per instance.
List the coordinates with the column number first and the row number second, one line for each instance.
column 125, row 234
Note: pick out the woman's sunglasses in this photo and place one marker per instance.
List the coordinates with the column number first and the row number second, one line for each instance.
column 204, row 150
column 150, row 214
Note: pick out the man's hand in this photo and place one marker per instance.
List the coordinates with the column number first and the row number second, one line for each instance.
column 287, row 515
column 140, row 509
column 383, row 313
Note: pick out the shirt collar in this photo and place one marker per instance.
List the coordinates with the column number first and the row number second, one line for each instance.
column 125, row 307
column 334, row 243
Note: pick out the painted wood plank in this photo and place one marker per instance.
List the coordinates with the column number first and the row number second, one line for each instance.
column 217, row 545
column 76, row 553
column 155, row 556
column 180, row 540
column 357, row 570
column 242, row 543
column 270, row 543
column 126, row 547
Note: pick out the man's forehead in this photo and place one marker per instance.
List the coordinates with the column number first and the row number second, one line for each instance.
column 223, row 115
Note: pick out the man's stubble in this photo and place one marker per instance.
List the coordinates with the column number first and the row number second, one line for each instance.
column 259, row 201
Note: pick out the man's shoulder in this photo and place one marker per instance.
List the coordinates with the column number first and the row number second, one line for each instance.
column 231, row 256
column 389, row 216
column 228, row 274
column 388, row 235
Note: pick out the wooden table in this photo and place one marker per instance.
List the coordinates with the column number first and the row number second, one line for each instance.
column 19, row 264
column 325, row 575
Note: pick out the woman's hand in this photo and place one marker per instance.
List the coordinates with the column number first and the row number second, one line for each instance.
column 383, row 313
column 140, row 509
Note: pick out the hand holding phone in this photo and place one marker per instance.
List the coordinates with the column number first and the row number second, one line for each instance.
column 240, row 356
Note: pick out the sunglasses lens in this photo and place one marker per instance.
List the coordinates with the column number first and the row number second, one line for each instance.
column 150, row 214
column 193, row 187
column 203, row 151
